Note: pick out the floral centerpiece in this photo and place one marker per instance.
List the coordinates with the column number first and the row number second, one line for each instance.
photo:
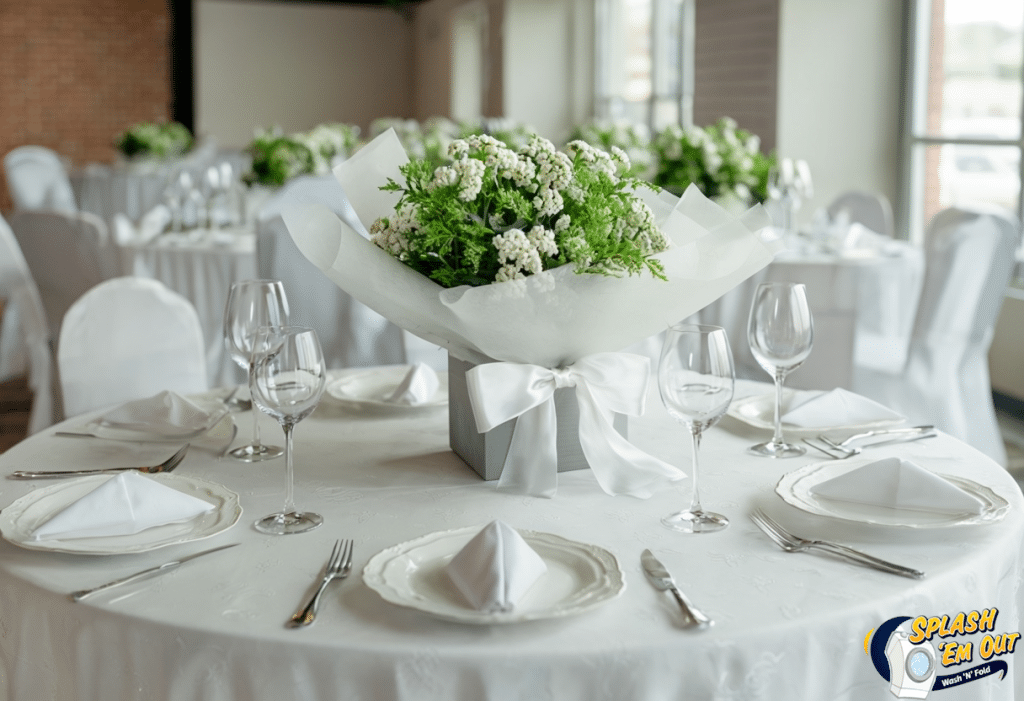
column 722, row 160
column 277, row 157
column 330, row 144
column 156, row 140
column 633, row 138
column 496, row 214
column 549, row 263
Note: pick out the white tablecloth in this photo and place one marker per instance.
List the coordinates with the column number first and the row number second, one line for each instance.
column 863, row 302
column 201, row 266
column 788, row 626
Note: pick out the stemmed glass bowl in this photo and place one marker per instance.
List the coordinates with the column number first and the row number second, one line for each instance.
column 287, row 382
column 696, row 380
column 253, row 304
column 781, row 332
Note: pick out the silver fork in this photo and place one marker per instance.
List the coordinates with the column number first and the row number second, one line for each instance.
column 792, row 544
column 166, row 466
column 339, row 564
column 841, row 451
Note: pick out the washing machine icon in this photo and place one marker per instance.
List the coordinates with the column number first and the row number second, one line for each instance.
column 912, row 667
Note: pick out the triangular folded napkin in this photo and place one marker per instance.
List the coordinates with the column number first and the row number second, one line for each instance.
column 122, row 505
column 165, row 414
column 495, row 568
column 839, row 407
column 418, row 386
column 899, row 484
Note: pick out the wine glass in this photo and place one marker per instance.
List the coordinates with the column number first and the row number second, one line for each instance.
column 696, row 382
column 286, row 382
column 251, row 305
column 780, row 332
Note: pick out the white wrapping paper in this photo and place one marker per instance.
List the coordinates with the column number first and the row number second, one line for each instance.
column 551, row 319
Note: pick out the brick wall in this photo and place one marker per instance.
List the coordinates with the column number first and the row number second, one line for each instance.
column 74, row 73
column 736, row 65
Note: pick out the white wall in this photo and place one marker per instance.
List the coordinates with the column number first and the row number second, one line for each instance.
column 839, row 73
column 296, row 65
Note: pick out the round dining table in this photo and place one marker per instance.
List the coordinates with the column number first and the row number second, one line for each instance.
column 794, row 626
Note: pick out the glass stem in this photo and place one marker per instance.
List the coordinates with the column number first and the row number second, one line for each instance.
column 289, row 470
column 254, row 410
column 695, row 434
column 780, row 376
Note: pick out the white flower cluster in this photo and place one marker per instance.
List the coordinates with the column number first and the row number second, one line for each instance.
column 611, row 164
column 520, row 253
column 392, row 233
column 554, row 173
column 719, row 152
column 329, row 144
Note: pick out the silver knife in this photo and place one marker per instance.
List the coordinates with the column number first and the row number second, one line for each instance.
column 661, row 579
column 152, row 571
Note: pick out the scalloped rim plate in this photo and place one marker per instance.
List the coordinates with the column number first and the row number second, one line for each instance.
column 759, row 411
column 369, row 388
column 795, row 489
column 19, row 520
column 580, row 577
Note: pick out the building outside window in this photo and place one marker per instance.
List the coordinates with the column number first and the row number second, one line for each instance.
column 963, row 134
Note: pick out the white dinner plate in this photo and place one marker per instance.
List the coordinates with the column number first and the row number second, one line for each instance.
column 795, row 489
column 759, row 411
column 579, row 578
column 372, row 387
column 20, row 519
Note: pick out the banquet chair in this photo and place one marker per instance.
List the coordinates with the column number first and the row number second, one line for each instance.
column 67, row 253
column 129, row 338
column 944, row 381
column 351, row 334
column 24, row 333
column 37, row 180
column 867, row 208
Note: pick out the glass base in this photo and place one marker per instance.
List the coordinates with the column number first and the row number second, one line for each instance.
column 287, row 523
column 256, row 453
column 695, row 522
column 776, row 450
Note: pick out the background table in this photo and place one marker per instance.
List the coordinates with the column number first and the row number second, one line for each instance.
column 201, row 266
column 863, row 302
column 788, row 626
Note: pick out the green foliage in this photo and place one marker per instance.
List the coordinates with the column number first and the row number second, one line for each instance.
column 276, row 159
column 157, row 140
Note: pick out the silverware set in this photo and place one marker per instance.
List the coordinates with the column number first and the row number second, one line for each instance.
column 840, row 450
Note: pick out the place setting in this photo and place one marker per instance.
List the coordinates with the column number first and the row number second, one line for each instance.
column 391, row 388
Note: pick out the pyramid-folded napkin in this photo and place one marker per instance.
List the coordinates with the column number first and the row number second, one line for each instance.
column 125, row 504
column 419, row 386
column 838, row 407
column 495, row 568
column 166, row 414
column 899, row 484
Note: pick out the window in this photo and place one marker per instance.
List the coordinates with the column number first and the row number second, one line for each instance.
column 964, row 133
column 644, row 61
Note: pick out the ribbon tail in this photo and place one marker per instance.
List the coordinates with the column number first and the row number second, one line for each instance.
column 531, row 465
column 618, row 465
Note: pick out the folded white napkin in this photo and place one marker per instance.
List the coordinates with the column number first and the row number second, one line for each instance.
column 899, row 484
column 154, row 222
column 418, row 386
column 165, row 414
column 122, row 505
column 839, row 407
column 495, row 568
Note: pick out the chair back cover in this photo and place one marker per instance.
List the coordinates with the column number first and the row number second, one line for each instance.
column 351, row 334
column 68, row 254
column 37, row 180
column 129, row 338
column 969, row 259
column 24, row 333
column 868, row 208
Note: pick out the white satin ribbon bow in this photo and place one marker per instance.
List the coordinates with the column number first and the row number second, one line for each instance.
column 605, row 383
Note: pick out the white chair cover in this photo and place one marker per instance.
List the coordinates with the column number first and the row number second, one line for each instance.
column 129, row 338
column 351, row 334
column 945, row 382
column 67, row 253
column 37, row 180
column 868, row 208
column 24, row 334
